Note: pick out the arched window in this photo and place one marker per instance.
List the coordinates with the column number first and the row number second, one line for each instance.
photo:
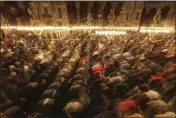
column 59, row 13
column 118, row 9
column 46, row 11
column 83, row 11
column 106, row 13
column 150, row 15
column 164, row 12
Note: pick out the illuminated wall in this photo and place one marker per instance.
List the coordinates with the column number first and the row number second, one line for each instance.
column 52, row 13
column 135, row 13
column 167, row 13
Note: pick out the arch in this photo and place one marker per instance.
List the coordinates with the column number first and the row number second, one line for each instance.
column 54, row 35
column 95, row 9
column 48, row 35
column 72, row 14
column 143, row 17
column 83, row 11
column 164, row 12
column 106, row 13
column 118, row 9
column 150, row 15
column 46, row 11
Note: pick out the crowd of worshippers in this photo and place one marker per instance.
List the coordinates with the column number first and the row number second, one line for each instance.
column 88, row 76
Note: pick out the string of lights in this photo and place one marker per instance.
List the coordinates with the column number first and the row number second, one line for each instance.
column 41, row 28
column 110, row 33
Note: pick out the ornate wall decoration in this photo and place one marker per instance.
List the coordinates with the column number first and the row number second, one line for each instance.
column 89, row 18
column 121, row 19
column 157, row 18
column 122, row 15
column 54, row 19
column 5, row 22
column 65, row 19
column 33, row 13
column 155, row 23
column 111, row 17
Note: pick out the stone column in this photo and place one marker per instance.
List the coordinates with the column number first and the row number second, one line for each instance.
column 77, row 4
